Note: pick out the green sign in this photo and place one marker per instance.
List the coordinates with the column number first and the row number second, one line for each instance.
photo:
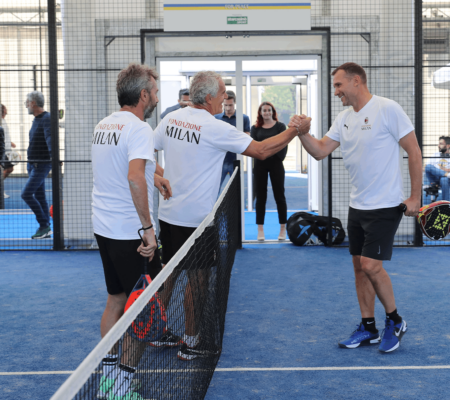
column 237, row 21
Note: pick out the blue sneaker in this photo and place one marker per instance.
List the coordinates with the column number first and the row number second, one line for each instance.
column 392, row 336
column 360, row 337
column 104, row 387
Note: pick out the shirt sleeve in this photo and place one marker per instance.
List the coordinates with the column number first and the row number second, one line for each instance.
column 335, row 130
column 246, row 123
column 141, row 143
column 398, row 122
column 48, row 133
column 228, row 138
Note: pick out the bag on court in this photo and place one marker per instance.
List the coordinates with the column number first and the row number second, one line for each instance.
column 302, row 225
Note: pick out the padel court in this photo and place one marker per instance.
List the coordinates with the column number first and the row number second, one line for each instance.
column 271, row 331
column 288, row 307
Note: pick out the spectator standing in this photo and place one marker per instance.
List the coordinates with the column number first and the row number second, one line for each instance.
column 183, row 101
column 39, row 163
column 229, row 116
column 267, row 125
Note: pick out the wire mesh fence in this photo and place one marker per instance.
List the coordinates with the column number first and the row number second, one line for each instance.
column 403, row 45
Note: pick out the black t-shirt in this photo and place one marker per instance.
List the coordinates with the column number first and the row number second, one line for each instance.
column 260, row 134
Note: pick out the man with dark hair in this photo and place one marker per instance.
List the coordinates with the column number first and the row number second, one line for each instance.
column 438, row 170
column 183, row 101
column 370, row 134
column 39, row 163
column 229, row 116
column 124, row 166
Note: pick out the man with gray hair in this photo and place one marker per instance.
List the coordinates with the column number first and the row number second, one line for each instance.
column 39, row 163
column 124, row 165
column 195, row 144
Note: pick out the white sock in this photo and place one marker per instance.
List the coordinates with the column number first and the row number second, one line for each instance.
column 191, row 341
column 123, row 380
column 110, row 363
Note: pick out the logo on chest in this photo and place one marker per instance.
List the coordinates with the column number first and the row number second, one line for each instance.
column 366, row 126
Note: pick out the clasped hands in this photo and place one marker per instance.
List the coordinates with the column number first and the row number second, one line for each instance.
column 300, row 122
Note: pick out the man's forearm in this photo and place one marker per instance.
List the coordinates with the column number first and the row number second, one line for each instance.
column 159, row 170
column 273, row 145
column 313, row 146
column 139, row 194
column 415, row 173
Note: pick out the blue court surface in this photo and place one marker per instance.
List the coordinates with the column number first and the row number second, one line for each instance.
column 288, row 307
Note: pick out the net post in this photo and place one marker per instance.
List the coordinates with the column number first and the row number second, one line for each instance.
column 418, row 78
column 58, row 240
column 237, row 164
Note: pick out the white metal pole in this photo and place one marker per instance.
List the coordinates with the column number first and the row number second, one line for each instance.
column 240, row 126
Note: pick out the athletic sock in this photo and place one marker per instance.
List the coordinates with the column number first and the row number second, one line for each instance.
column 110, row 363
column 123, row 380
column 191, row 341
column 394, row 317
column 369, row 324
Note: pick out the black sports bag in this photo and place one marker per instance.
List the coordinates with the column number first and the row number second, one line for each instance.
column 302, row 225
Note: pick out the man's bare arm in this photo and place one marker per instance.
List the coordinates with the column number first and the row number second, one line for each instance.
column 271, row 146
column 319, row 149
column 139, row 194
column 410, row 145
column 159, row 170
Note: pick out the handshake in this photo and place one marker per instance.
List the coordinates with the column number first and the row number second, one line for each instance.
column 300, row 122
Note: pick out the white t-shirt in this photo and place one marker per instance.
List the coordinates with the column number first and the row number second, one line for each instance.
column 117, row 140
column 440, row 161
column 194, row 144
column 7, row 136
column 370, row 149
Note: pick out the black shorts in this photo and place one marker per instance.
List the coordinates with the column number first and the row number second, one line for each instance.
column 123, row 265
column 173, row 237
column 371, row 232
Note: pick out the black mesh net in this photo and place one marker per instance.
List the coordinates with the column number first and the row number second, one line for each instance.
column 72, row 51
column 191, row 301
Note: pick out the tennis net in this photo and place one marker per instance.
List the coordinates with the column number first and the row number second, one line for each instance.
column 190, row 296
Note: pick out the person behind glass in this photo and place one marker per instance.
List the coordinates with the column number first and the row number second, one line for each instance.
column 39, row 163
column 438, row 171
column 183, row 101
column 267, row 125
column 229, row 116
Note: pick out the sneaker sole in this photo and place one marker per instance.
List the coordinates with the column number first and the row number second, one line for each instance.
column 48, row 234
column 363, row 343
column 160, row 344
column 398, row 343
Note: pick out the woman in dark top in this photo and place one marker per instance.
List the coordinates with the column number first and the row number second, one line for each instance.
column 266, row 126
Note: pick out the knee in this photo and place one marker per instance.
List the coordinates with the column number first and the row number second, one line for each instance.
column 370, row 266
column 428, row 168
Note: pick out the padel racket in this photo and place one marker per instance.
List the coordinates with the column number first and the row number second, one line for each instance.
column 434, row 220
column 151, row 322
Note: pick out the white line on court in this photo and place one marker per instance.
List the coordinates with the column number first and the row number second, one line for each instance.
column 238, row 369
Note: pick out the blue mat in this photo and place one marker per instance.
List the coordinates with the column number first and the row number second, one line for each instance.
column 288, row 307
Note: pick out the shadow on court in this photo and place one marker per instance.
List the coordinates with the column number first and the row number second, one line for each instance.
column 288, row 307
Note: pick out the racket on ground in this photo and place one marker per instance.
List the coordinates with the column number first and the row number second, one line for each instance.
column 151, row 322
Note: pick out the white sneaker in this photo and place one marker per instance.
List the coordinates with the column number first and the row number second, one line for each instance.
column 6, row 196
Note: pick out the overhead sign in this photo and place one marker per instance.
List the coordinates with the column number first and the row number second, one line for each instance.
column 257, row 15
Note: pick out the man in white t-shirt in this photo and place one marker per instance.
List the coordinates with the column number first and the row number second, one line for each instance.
column 438, row 171
column 370, row 134
column 123, row 167
column 195, row 144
